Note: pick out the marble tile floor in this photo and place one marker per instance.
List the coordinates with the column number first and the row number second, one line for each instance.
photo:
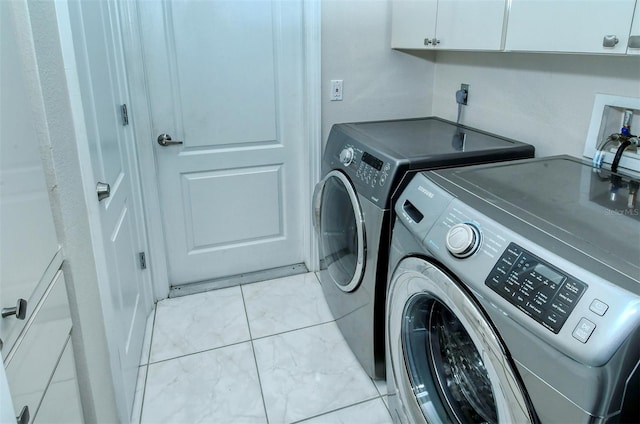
column 266, row 352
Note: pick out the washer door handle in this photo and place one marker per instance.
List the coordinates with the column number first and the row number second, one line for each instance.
column 317, row 204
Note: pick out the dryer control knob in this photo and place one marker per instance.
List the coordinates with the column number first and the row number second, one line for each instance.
column 346, row 156
column 463, row 240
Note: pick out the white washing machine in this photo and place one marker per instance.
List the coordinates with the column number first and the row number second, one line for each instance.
column 514, row 295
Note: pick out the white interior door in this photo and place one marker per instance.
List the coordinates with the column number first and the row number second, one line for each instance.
column 225, row 78
column 102, row 86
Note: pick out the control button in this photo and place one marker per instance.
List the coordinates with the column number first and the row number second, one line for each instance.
column 559, row 308
column 519, row 299
column 463, row 240
column 506, row 291
column 552, row 319
column 574, row 287
column 583, row 330
column 541, row 299
column 346, row 156
column 533, row 309
column 567, row 297
column 494, row 278
column 598, row 307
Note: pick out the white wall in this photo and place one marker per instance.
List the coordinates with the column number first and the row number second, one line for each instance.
column 379, row 83
column 542, row 99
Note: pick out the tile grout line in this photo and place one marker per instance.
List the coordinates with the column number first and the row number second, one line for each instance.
column 148, row 363
column 338, row 409
column 294, row 329
column 253, row 351
column 239, row 342
column 159, row 361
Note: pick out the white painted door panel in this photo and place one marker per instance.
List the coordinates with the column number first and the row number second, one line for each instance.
column 455, row 24
column 470, row 24
column 633, row 45
column 568, row 25
column 225, row 77
column 412, row 22
column 100, row 67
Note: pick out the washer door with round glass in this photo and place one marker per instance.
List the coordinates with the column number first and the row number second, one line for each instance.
column 340, row 225
column 448, row 365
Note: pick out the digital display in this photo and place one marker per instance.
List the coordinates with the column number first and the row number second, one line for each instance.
column 548, row 273
column 372, row 161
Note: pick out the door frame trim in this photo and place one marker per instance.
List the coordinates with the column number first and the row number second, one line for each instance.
column 312, row 11
column 141, row 114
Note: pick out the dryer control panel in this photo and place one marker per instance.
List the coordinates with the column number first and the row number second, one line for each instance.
column 535, row 287
column 371, row 172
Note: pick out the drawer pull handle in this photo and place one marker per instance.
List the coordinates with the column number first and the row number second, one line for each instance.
column 20, row 310
column 24, row 416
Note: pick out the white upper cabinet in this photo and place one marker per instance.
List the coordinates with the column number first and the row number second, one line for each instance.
column 447, row 24
column 572, row 26
column 633, row 45
column 413, row 23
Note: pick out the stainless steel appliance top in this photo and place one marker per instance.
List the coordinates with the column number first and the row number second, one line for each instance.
column 377, row 155
column 591, row 211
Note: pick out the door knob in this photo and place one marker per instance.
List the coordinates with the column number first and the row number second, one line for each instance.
column 20, row 310
column 103, row 190
column 165, row 140
column 24, row 416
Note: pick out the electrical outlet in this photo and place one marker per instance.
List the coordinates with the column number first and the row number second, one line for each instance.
column 465, row 93
column 336, row 90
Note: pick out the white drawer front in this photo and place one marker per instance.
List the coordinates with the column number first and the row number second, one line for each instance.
column 32, row 361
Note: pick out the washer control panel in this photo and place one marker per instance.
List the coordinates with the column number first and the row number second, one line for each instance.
column 535, row 287
column 517, row 272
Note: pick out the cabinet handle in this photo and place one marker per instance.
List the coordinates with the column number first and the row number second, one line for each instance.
column 103, row 190
column 634, row 42
column 427, row 41
column 610, row 41
column 24, row 416
column 435, row 41
column 20, row 310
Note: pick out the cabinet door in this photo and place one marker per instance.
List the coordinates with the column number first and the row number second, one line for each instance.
column 470, row 24
column 412, row 22
column 577, row 26
column 33, row 360
column 447, row 24
column 63, row 390
column 633, row 45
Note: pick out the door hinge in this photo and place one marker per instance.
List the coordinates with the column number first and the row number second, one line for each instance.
column 143, row 260
column 125, row 114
